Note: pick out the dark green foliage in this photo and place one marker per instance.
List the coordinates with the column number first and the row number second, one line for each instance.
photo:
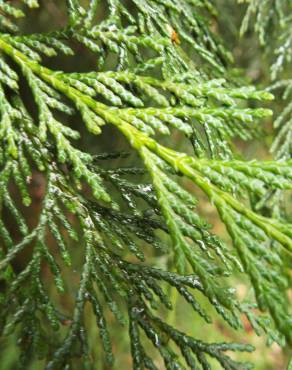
column 165, row 75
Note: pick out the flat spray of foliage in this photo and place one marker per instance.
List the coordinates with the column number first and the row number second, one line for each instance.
column 166, row 76
column 272, row 21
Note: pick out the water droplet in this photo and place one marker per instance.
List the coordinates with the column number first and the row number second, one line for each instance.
column 157, row 342
column 202, row 245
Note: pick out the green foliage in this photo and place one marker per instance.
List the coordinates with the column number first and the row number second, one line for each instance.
column 158, row 70
column 273, row 23
column 282, row 145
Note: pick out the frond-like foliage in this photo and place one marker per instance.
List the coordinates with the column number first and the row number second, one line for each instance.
column 10, row 13
column 155, row 85
column 272, row 22
column 282, row 145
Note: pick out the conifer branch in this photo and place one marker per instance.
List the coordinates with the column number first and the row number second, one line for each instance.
column 206, row 109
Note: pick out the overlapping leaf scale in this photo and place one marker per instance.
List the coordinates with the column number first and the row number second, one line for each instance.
column 264, row 266
column 272, row 21
column 172, row 24
column 35, row 46
column 98, row 268
column 251, row 234
column 195, row 353
column 185, row 225
column 116, row 88
column 218, row 122
column 10, row 13
column 282, row 144
column 181, row 111
column 254, row 177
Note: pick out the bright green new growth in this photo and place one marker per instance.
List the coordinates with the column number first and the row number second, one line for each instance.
column 167, row 75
